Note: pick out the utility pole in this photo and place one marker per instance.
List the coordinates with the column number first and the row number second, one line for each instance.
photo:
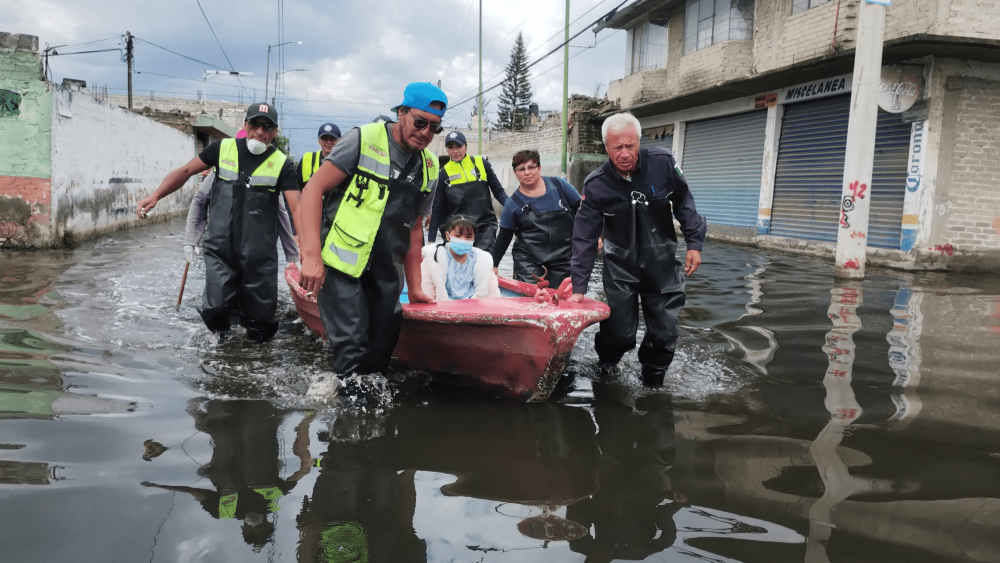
column 480, row 97
column 855, row 196
column 128, row 60
column 565, row 108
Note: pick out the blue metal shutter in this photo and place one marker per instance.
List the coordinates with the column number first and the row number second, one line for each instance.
column 810, row 173
column 666, row 142
column 722, row 162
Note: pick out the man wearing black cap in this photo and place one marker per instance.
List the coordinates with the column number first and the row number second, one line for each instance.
column 329, row 134
column 378, row 182
column 241, row 254
column 465, row 184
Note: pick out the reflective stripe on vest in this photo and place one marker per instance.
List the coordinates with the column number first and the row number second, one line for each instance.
column 470, row 169
column 349, row 243
column 311, row 161
column 265, row 175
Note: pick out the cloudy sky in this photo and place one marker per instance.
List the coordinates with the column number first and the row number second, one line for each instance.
column 357, row 55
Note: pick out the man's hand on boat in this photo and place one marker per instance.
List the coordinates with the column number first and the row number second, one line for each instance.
column 417, row 295
column 312, row 274
column 575, row 298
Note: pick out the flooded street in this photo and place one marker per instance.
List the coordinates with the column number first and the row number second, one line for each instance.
column 802, row 420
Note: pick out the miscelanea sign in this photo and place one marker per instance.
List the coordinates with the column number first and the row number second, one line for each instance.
column 898, row 88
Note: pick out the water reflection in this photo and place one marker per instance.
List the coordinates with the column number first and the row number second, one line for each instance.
column 783, row 434
column 245, row 465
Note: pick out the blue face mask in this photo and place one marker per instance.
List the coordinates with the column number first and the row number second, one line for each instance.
column 460, row 246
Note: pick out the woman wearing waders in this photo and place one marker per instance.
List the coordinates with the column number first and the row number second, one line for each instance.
column 630, row 199
column 540, row 212
column 361, row 228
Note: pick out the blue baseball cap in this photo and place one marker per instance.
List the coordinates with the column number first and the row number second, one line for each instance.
column 330, row 129
column 455, row 137
column 420, row 95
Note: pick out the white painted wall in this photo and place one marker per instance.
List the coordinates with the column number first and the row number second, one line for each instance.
column 105, row 159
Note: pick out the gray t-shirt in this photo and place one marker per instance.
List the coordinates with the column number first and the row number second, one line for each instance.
column 345, row 156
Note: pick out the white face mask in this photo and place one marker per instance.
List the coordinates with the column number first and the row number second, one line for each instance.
column 255, row 146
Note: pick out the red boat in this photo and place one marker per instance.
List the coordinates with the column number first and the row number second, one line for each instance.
column 513, row 346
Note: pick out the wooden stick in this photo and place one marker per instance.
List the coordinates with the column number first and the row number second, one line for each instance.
column 184, row 280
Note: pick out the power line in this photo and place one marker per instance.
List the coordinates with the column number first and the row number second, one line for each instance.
column 58, row 54
column 460, row 36
column 543, row 57
column 220, row 46
column 178, row 54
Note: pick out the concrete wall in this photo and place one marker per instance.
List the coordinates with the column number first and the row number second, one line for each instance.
column 105, row 159
column 232, row 113
column 25, row 143
column 72, row 166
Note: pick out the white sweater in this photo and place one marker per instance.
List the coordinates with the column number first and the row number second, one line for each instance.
column 433, row 273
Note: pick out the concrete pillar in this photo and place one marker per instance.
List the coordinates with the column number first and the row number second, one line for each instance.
column 852, row 237
column 772, row 137
column 678, row 148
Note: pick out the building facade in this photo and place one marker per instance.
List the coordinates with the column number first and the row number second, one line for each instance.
column 753, row 98
column 72, row 166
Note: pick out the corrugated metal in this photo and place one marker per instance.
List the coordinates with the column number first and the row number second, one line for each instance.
column 722, row 163
column 810, row 173
column 666, row 142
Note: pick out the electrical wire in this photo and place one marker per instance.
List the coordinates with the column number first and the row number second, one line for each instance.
column 220, row 46
column 543, row 57
column 540, row 59
column 178, row 54
column 58, row 54
column 459, row 44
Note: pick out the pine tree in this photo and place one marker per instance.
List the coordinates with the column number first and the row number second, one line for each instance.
column 512, row 111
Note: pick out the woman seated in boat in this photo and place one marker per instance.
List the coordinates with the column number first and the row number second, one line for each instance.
column 540, row 212
column 454, row 269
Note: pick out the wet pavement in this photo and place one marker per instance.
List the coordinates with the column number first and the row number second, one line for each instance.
column 802, row 420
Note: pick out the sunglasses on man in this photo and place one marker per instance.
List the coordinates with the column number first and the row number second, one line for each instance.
column 421, row 124
column 265, row 125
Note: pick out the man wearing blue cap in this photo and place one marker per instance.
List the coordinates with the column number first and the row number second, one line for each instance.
column 378, row 183
column 329, row 134
column 464, row 188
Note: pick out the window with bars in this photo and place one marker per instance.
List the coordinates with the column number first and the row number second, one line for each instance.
column 648, row 45
column 708, row 22
column 803, row 5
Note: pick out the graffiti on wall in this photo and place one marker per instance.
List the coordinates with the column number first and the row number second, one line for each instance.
column 10, row 103
column 847, row 205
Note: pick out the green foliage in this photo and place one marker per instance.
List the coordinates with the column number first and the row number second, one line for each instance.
column 512, row 111
column 281, row 143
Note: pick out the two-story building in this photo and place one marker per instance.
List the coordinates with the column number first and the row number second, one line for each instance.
column 753, row 98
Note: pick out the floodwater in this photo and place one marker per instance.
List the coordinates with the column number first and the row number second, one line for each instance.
column 803, row 420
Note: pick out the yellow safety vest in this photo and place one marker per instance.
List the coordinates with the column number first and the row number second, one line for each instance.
column 470, row 169
column 311, row 162
column 265, row 175
column 348, row 245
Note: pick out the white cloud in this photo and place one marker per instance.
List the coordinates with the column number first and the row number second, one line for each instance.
column 359, row 55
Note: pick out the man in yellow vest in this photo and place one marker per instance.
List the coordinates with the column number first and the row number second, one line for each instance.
column 241, row 254
column 378, row 183
column 464, row 188
column 329, row 134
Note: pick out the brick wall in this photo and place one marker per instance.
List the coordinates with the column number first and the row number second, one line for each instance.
column 973, row 218
column 968, row 18
column 782, row 40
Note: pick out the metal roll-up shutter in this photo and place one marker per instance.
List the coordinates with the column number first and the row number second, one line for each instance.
column 892, row 149
column 810, row 172
column 722, row 164
column 666, row 142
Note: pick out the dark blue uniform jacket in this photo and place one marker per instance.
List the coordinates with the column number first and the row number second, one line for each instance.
column 605, row 191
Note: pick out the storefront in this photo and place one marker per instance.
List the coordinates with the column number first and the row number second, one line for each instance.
column 722, row 164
